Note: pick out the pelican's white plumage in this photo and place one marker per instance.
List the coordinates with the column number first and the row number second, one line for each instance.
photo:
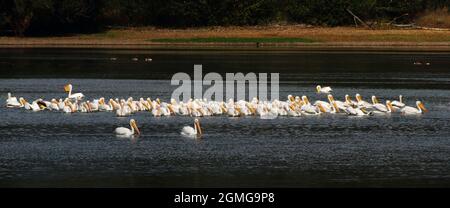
column 361, row 102
column 380, row 108
column 408, row 110
column 12, row 102
column 75, row 96
column 321, row 89
column 126, row 132
column 398, row 103
column 193, row 132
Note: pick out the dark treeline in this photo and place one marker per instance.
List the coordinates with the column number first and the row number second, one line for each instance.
column 54, row 17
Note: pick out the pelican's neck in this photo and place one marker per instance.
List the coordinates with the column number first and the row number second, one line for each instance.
column 400, row 98
column 132, row 129
column 70, row 91
column 418, row 107
column 9, row 95
column 195, row 129
column 389, row 107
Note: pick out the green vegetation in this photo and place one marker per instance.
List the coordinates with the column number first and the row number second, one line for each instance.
column 55, row 17
column 232, row 40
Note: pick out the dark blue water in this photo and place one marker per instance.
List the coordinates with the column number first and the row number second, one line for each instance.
column 53, row 149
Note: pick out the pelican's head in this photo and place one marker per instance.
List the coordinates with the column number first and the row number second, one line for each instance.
column 22, row 101
column 9, row 95
column 330, row 98
column 198, row 127
column 134, row 126
column 68, row 87
column 374, row 99
column 358, row 97
column 421, row 106
column 347, row 98
column 305, row 99
column 158, row 101
column 173, row 101
column 318, row 88
column 389, row 105
column 291, row 98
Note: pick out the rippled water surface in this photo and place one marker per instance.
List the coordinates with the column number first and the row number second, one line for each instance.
column 80, row 150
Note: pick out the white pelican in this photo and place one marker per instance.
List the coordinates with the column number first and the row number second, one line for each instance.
column 195, row 132
column 76, row 96
column 398, row 103
column 361, row 102
column 62, row 103
column 321, row 89
column 125, row 132
column 24, row 103
column 68, row 107
column 339, row 104
column 35, row 106
column 374, row 100
column 408, row 110
column 12, row 102
column 357, row 111
column 102, row 106
column 349, row 101
column 53, row 105
column 124, row 110
column 378, row 107
column 309, row 109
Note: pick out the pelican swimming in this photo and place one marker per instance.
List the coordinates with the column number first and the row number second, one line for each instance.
column 339, row 104
column 126, row 132
column 309, row 109
column 408, row 110
column 193, row 132
column 53, row 105
column 349, row 101
column 357, row 111
column 361, row 102
column 325, row 90
column 12, row 102
column 124, row 110
column 76, row 96
column 399, row 103
column 68, row 107
column 380, row 108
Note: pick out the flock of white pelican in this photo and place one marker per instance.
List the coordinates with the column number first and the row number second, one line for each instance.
column 293, row 106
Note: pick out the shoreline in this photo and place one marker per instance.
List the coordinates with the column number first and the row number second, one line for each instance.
column 289, row 37
column 336, row 46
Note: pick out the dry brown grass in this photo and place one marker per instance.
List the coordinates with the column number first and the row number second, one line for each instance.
column 439, row 18
column 316, row 34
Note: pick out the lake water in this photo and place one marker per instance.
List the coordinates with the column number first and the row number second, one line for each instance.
column 53, row 149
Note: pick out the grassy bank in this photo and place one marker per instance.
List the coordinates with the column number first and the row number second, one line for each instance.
column 286, row 36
